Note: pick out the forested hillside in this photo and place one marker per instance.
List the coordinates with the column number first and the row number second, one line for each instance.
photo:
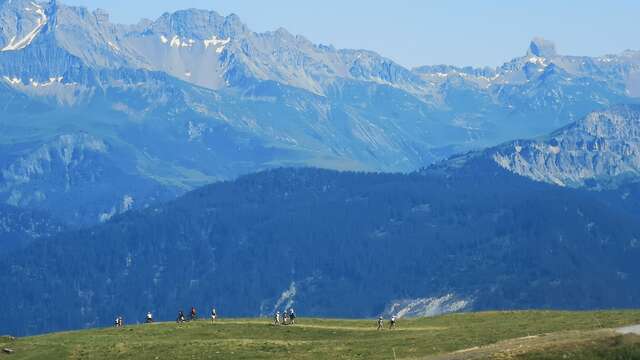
column 338, row 244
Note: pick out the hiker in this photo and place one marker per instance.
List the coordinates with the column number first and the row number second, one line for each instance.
column 180, row 318
column 214, row 315
column 116, row 323
column 193, row 314
column 285, row 317
column 380, row 323
column 392, row 323
column 292, row 316
column 149, row 318
column 276, row 318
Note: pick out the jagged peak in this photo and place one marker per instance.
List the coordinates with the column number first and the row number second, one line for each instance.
column 102, row 16
column 542, row 48
column 198, row 23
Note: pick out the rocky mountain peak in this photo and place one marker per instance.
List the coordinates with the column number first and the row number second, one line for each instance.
column 199, row 24
column 542, row 48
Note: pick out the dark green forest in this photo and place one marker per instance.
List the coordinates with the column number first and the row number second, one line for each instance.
column 348, row 242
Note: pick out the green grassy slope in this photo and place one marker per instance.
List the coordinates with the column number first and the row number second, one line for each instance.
column 345, row 339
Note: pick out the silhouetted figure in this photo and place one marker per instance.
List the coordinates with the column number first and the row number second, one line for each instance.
column 392, row 323
column 149, row 318
column 292, row 316
column 180, row 318
column 193, row 314
column 380, row 323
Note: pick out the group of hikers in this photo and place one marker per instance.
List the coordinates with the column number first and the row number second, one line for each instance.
column 193, row 315
column 119, row 322
column 288, row 317
column 392, row 323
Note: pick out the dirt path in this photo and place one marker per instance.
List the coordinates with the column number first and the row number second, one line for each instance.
column 302, row 324
column 371, row 328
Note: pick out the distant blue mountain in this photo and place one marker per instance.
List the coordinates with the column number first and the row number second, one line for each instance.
column 97, row 118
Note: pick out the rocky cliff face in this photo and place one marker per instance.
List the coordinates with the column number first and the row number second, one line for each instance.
column 600, row 150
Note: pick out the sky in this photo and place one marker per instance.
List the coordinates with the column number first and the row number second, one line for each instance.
column 423, row 32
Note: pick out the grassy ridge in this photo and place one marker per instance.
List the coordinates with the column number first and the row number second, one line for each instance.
column 325, row 339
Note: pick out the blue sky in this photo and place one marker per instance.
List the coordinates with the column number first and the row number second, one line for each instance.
column 416, row 32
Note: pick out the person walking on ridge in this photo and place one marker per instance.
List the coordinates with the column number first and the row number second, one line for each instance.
column 292, row 316
column 392, row 323
column 180, row 318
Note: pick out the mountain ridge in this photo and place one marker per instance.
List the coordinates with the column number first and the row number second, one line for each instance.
column 229, row 101
column 597, row 152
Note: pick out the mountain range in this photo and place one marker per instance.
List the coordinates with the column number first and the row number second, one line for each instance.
column 478, row 231
column 97, row 118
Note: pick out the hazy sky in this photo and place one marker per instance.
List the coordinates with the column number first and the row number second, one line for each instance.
column 417, row 32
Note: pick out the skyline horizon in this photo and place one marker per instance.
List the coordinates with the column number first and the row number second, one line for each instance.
column 418, row 53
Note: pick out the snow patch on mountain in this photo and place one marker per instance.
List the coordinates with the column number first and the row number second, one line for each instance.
column 50, row 82
column 214, row 41
column 113, row 46
column 33, row 82
column 537, row 60
column 12, row 81
column 178, row 42
column 26, row 41
column 217, row 44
